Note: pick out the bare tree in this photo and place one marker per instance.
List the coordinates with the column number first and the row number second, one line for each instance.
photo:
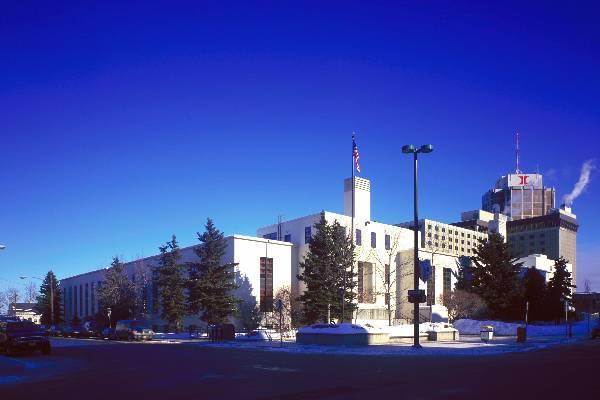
column 13, row 295
column 388, row 269
column 272, row 319
column 3, row 302
column 463, row 304
column 31, row 292
column 140, row 285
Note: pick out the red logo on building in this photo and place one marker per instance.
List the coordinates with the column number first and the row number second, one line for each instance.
column 523, row 179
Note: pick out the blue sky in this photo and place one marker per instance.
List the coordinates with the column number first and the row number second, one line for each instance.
column 124, row 124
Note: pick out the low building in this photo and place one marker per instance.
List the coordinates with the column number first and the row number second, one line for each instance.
column 587, row 302
column 263, row 267
column 24, row 312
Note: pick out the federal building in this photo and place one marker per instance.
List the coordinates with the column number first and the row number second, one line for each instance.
column 518, row 207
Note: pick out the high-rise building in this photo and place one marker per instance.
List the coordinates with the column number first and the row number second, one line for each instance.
column 520, row 196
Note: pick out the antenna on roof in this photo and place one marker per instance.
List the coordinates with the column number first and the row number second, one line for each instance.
column 517, row 169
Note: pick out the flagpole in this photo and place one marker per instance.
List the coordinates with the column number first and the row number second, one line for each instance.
column 353, row 185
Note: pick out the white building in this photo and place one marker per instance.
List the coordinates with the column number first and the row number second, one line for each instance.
column 542, row 263
column 24, row 312
column 80, row 292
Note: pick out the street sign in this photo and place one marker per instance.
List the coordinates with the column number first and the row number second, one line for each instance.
column 417, row 296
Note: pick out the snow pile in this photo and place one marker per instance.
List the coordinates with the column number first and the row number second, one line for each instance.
column 473, row 327
column 341, row 329
column 178, row 336
column 408, row 329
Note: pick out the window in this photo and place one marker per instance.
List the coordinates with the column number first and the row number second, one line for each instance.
column 87, row 310
column 443, row 230
column 287, row 238
column 358, row 238
column 272, row 236
column 307, row 234
column 429, row 234
column 387, row 242
column 456, row 240
column 373, row 240
column 81, row 300
column 462, row 234
column 365, row 283
column 266, row 284
column 450, row 231
column 387, row 274
column 437, row 228
column 468, row 236
column 431, row 287
column 93, row 298
column 447, row 280
column 462, row 242
column 436, row 236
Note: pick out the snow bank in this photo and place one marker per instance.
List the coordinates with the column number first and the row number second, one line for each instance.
column 473, row 327
column 341, row 329
column 408, row 329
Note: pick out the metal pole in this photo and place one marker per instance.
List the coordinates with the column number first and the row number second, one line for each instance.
column 51, row 299
column 416, row 255
column 328, row 313
column 566, row 319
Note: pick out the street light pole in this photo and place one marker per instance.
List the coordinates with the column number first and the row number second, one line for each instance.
column 417, row 295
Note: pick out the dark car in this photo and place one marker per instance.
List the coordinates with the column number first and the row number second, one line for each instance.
column 90, row 329
column 23, row 336
column 72, row 331
column 55, row 330
column 133, row 330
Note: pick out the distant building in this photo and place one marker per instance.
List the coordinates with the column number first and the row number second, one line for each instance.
column 542, row 263
column 24, row 311
column 586, row 302
column 519, row 196
column 554, row 235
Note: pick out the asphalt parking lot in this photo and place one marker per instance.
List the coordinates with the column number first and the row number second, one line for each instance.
column 101, row 370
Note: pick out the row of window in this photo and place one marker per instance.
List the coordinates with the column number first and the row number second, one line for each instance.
column 450, row 231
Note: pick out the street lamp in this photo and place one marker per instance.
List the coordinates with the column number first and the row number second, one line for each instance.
column 51, row 294
column 416, row 296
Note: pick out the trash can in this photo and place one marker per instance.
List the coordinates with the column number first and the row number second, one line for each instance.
column 521, row 334
column 487, row 332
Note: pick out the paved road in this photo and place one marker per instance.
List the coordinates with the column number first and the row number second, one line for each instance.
column 98, row 370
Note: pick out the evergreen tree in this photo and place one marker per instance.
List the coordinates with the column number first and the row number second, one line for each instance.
column 171, row 284
column 50, row 288
column 559, row 289
column 328, row 272
column 116, row 292
column 212, row 283
column 496, row 278
column 534, row 286
column 464, row 279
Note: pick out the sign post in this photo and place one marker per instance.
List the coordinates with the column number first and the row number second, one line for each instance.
column 109, row 312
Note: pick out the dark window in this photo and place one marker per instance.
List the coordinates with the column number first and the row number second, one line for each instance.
column 358, row 238
column 373, row 240
column 87, row 309
column 307, row 234
column 387, row 242
column 81, row 300
column 272, row 236
column 431, row 287
column 266, row 284
column 287, row 238
column 447, row 280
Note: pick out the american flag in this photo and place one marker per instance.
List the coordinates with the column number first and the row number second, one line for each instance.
column 355, row 154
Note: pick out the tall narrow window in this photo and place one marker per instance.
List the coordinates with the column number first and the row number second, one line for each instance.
column 366, row 288
column 387, row 242
column 447, row 280
column 387, row 274
column 358, row 238
column 93, row 298
column 307, row 234
column 431, row 287
column 373, row 240
column 81, row 300
column 87, row 310
column 266, row 284
column 287, row 238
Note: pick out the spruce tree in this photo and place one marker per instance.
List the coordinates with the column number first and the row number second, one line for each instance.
column 116, row 292
column 212, row 283
column 44, row 300
column 464, row 279
column 496, row 278
column 534, row 286
column 328, row 273
column 171, row 284
column 559, row 289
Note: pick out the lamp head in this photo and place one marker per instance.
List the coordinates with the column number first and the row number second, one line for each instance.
column 426, row 148
column 407, row 149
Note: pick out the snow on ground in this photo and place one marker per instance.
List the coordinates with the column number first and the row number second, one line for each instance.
column 394, row 331
column 340, row 329
column 473, row 327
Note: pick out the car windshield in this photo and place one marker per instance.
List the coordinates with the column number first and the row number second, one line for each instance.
column 21, row 326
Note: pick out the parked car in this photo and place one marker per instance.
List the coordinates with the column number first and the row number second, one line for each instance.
column 23, row 336
column 109, row 333
column 55, row 330
column 133, row 330
column 90, row 329
column 72, row 331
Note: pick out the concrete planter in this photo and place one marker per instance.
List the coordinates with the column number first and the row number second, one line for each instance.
column 354, row 339
column 423, row 337
column 445, row 336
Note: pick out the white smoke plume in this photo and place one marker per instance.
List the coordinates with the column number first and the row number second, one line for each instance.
column 584, row 180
